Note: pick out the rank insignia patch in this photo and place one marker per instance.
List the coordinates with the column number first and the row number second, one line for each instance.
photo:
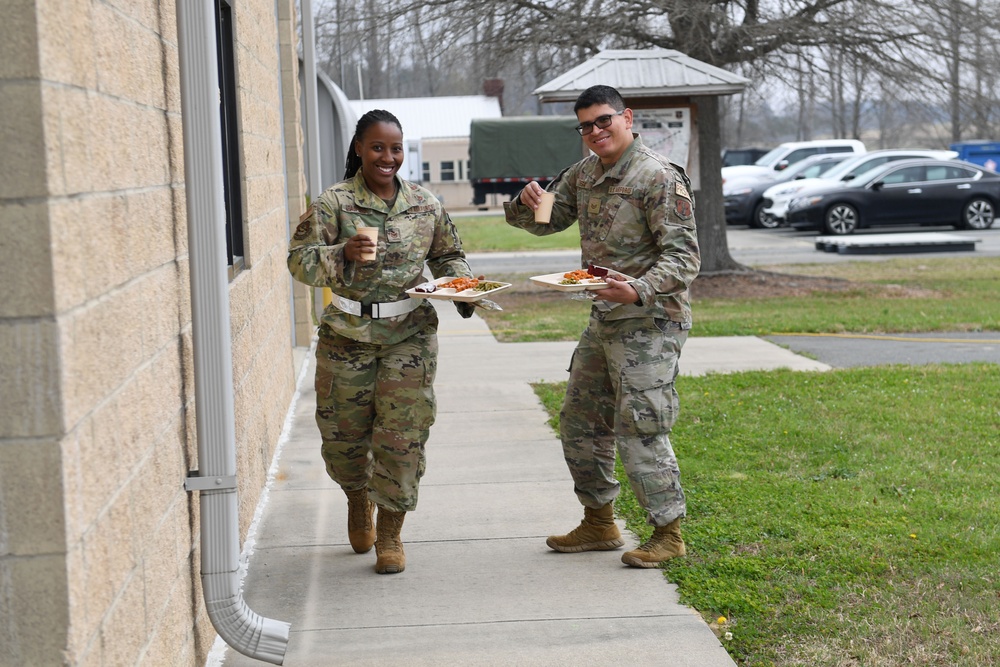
column 302, row 231
column 680, row 190
column 594, row 205
column 392, row 235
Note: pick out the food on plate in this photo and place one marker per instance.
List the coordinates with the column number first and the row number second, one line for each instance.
column 459, row 284
column 597, row 271
column 576, row 277
column 592, row 274
column 486, row 286
column 425, row 288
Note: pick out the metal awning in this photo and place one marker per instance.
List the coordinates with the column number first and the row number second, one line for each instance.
column 643, row 73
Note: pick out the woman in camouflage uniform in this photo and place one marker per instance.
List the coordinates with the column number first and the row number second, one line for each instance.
column 377, row 352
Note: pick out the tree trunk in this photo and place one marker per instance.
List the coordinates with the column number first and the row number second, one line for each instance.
column 710, row 211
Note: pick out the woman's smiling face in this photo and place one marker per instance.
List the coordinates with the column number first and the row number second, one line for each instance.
column 381, row 153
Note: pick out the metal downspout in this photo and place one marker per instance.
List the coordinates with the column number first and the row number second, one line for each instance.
column 314, row 178
column 312, row 104
column 238, row 625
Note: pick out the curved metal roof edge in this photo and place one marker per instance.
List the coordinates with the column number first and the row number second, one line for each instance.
column 561, row 88
column 346, row 116
column 632, row 93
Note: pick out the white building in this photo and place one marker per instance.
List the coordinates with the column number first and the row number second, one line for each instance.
column 436, row 140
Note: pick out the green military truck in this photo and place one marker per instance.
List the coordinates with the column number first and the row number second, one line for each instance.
column 506, row 153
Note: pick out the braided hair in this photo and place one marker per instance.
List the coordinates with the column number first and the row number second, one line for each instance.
column 366, row 121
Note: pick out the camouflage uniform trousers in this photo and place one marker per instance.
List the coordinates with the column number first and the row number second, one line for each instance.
column 621, row 396
column 374, row 408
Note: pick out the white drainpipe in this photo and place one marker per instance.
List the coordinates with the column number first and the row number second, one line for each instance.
column 238, row 625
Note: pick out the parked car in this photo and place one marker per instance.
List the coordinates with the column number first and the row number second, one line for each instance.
column 745, row 196
column 736, row 156
column 780, row 157
column 907, row 192
column 777, row 198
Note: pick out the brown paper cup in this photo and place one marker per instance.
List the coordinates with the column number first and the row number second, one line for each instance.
column 372, row 233
column 543, row 214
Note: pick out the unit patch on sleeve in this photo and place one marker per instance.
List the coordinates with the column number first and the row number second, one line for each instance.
column 682, row 207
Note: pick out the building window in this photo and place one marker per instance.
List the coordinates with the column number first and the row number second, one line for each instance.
column 425, row 168
column 447, row 170
column 460, row 165
column 231, row 181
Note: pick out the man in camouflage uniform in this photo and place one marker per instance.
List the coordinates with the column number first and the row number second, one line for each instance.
column 376, row 356
column 636, row 218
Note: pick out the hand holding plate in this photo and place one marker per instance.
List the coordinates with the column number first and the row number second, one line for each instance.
column 617, row 291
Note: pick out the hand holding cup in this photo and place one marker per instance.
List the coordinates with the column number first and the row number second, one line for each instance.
column 543, row 212
column 538, row 200
column 366, row 243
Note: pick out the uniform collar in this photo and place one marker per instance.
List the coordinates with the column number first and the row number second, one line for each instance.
column 406, row 197
column 618, row 169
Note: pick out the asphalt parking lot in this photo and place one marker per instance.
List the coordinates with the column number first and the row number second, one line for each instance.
column 751, row 247
column 766, row 247
column 850, row 350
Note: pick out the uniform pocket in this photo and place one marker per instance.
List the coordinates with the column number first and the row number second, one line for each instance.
column 658, row 485
column 323, row 380
column 650, row 403
column 629, row 226
column 408, row 239
column 599, row 217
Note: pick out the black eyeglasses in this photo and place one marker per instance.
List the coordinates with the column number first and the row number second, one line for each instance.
column 601, row 122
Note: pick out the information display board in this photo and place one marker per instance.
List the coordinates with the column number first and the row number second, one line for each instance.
column 665, row 131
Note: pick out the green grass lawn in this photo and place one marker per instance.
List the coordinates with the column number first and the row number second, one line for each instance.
column 893, row 296
column 838, row 518
column 489, row 233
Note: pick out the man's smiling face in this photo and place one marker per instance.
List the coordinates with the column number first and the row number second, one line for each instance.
column 607, row 143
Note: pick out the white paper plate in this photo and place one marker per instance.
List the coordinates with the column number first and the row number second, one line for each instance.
column 552, row 281
column 450, row 294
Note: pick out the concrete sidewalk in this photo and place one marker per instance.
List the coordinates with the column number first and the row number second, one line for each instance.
column 480, row 586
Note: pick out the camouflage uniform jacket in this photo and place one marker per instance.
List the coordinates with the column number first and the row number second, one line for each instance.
column 636, row 217
column 414, row 230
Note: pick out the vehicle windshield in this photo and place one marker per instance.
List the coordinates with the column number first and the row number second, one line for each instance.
column 771, row 157
column 810, row 167
column 845, row 167
column 797, row 168
column 866, row 175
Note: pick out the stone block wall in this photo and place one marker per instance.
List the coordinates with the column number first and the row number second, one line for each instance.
column 99, row 561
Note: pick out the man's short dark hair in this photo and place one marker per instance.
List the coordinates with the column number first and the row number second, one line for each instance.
column 599, row 95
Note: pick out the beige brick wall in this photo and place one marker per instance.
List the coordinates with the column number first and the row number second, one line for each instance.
column 294, row 158
column 99, row 561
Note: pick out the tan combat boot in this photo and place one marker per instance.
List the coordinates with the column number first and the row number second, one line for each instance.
column 360, row 520
column 388, row 546
column 665, row 543
column 597, row 532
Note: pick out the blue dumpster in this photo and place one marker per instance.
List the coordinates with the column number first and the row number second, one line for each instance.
column 985, row 153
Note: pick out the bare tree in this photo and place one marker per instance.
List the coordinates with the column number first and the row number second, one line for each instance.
column 801, row 43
